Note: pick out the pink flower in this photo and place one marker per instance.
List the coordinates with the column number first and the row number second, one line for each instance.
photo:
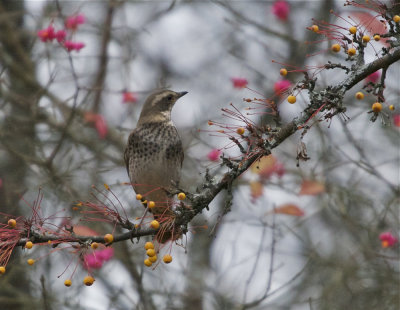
column 373, row 77
column 281, row 86
column 70, row 46
column 396, row 120
column 280, row 9
column 214, row 155
column 60, row 35
column 46, row 34
column 72, row 22
column 239, row 82
column 128, row 97
column 99, row 123
column 97, row 258
column 387, row 239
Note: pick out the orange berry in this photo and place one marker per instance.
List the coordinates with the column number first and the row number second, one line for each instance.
column 377, row 107
column 139, row 197
column 88, row 280
column 108, row 238
column 167, row 258
column 150, row 252
column 335, row 48
column 148, row 262
column 210, row 123
column 30, row 261
column 151, row 204
column 155, row 224
column 240, row 130
column 366, row 38
column 149, row 245
column 391, row 107
column 28, row 245
column 94, row 245
column 353, row 29
column 377, row 37
column 68, row 283
column 12, row 223
column 153, row 259
column 351, row 51
column 2, row 270
column 315, row 28
column 359, row 95
column 106, row 186
column 181, row 196
column 396, row 18
column 291, row 99
column 283, row 72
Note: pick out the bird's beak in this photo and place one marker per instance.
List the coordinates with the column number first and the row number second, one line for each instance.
column 182, row 93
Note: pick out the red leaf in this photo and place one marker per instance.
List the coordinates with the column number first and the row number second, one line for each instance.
column 101, row 126
column 371, row 23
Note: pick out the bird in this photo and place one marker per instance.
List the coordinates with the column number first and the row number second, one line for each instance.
column 154, row 152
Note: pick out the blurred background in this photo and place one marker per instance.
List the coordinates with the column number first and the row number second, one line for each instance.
column 297, row 236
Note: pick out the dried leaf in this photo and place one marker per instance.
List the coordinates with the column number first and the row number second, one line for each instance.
column 289, row 209
column 311, row 187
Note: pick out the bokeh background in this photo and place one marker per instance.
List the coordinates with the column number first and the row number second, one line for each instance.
column 65, row 118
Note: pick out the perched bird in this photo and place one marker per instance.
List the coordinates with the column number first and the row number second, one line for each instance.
column 154, row 153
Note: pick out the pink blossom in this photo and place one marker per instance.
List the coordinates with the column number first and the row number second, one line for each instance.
column 387, row 239
column 60, row 35
column 70, row 46
column 239, row 82
column 373, row 77
column 396, row 120
column 281, row 9
column 72, row 22
column 101, row 126
column 46, row 34
column 214, row 155
column 281, row 86
column 128, row 97
column 97, row 258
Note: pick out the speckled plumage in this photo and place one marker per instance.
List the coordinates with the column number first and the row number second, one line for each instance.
column 154, row 152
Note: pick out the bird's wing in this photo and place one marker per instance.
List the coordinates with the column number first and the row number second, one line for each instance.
column 133, row 137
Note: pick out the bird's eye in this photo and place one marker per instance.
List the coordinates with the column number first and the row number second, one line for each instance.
column 169, row 98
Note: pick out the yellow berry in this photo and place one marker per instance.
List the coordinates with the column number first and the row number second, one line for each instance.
column 12, row 223
column 359, row 95
column 28, row 245
column 148, row 262
column 31, row 261
column 351, row 51
column 155, row 224
column 68, row 283
column 391, row 107
column 353, row 29
column 108, row 238
column 2, row 270
column 335, row 48
column 153, row 259
column 240, row 131
column 151, row 204
column 88, row 280
column 396, row 18
column 150, row 252
column 139, row 197
column 366, row 38
column 106, row 186
column 377, row 37
column 167, row 258
column 181, row 196
column 283, row 72
column 94, row 245
column 149, row 245
column 291, row 99
column 315, row 28
column 376, row 107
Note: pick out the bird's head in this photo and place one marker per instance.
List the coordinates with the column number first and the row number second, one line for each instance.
column 158, row 106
